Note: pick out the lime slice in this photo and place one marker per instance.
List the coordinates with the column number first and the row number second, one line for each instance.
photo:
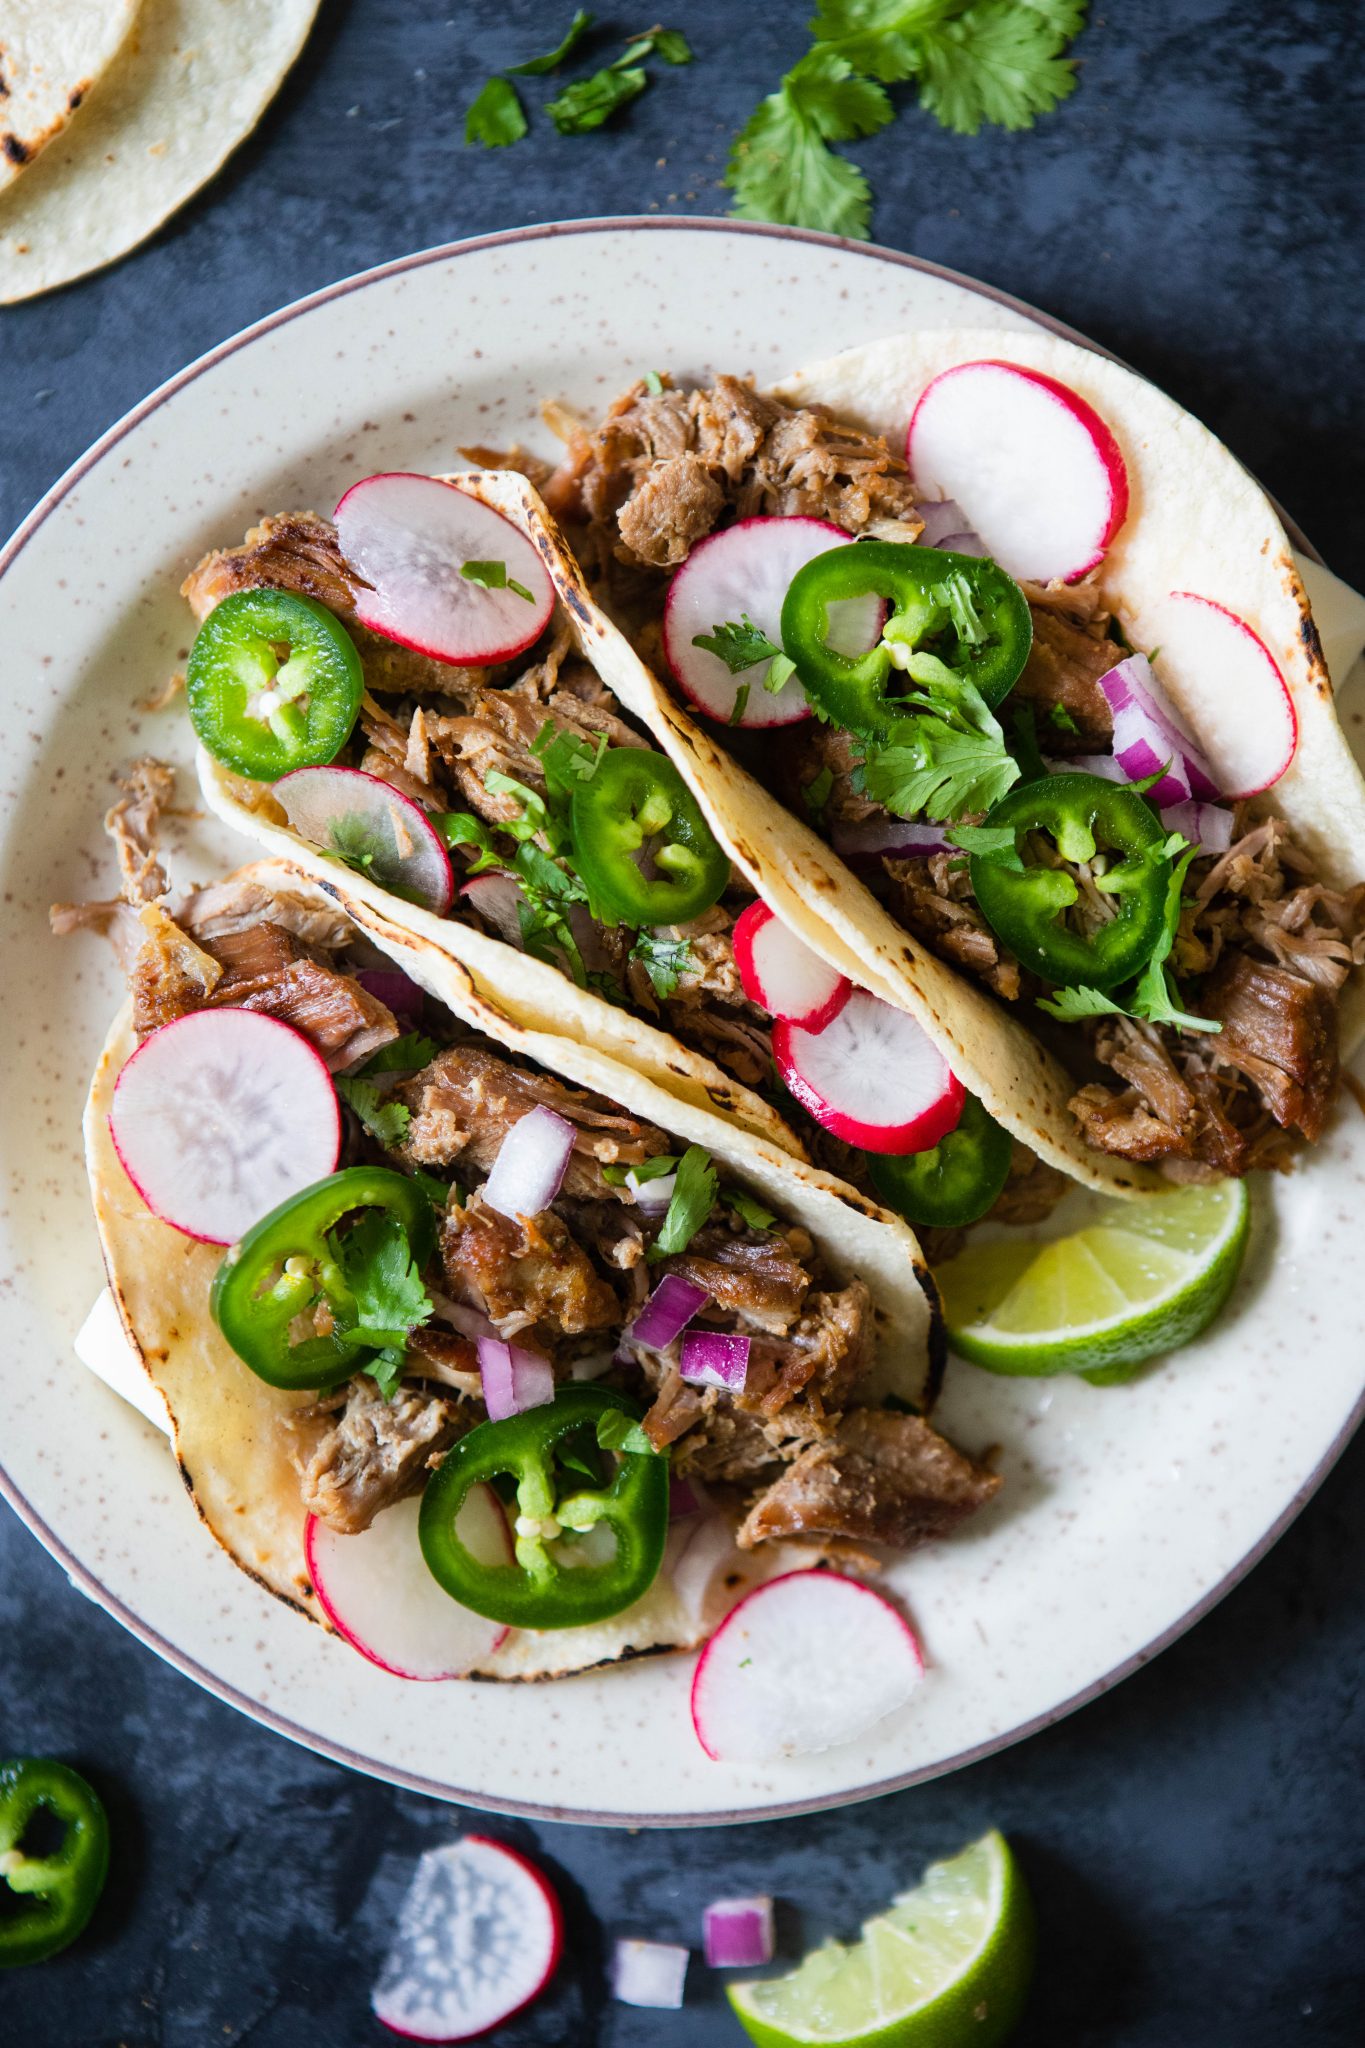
column 1145, row 1278
column 946, row 1965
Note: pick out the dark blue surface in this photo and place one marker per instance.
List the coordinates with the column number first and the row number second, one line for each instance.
column 1194, row 1839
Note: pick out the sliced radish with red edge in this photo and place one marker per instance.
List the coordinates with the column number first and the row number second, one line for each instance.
column 806, row 1662
column 478, row 1937
column 873, row 1077
column 781, row 973
column 219, row 1116
column 1232, row 689
column 377, row 1593
column 1036, row 470
column 371, row 825
column 411, row 541
column 496, row 895
column 744, row 571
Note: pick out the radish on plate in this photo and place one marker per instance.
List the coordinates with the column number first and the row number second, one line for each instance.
column 478, row 1937
column 873, row 1076
column 739, row 574
column 377, row 1593
column 1227, row 671
column 374, row 828
column 220, row 1116
column 781, row 973
column 1038, row 473
column 441, row 572
column 805, row 1662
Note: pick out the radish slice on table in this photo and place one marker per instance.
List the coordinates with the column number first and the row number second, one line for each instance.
column 782, row 975
column 377, row 1593
column 805, row 1662
column 441, row 572
column 872, row 1077
column 496, row 895
column 743, row 572
column 372, row 827
column 478, row 1937
column 1040, row 476
column 219, row 1116
column 531, row 1164
column 1234, row 690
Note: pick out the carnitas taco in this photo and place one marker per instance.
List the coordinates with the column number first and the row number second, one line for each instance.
column 474, row 1341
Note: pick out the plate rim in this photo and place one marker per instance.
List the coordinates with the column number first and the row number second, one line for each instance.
column 87, row 1582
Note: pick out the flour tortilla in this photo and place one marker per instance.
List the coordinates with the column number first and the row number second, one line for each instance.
column 188, row 83
column 51, row 54
column 227, row 1428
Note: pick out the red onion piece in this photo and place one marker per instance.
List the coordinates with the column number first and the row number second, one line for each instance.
column 394, row 990
column 513, row 1379
column 531, row 1163
column 964, row 543
column 1147, row 735
column 711, row 1358
column 945, row 523
column 1089, row 764
column 683, row 1499
column 648, row 1973
column 866, row 842
column 738, row 1933
column 468, row 1321
column 1208, row 826
column 668, row 1312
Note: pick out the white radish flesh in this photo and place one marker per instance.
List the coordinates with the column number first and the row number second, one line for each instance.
column 1230, row 688
column 219, row 1116
column 345, row 812
column 497, row 897
column 1036, row 470
column 873, row 1077
column 745, row 571
column 806, row 1662
column 478, row 1937
column 377, row 1593
column 411, row 539
column 781, row 973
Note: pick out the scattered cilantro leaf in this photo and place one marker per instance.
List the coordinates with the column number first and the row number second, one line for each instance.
column 664, row 960
column 617, row 1431
column 995, row 843
column 672, row 45
column 588, row 102
column 534, row 815
column 694, row 1197
column 815, row 793
column 653, row 383
column 387, row 1300
column 740, row 705
column 955, row 596
column 739, row 643
column 536, row 67
column 781, row 167
column 1060, row 717
column 1154, row 995
column 495, row 118
column 752, row 1212
column 566, row 758
column 386, row 1121
column 386, row 1369
column 948, row 760
column 649, row 1169
column 1000, row 61
column 401, row 1055
column 494, row 576
column 1071, row 1004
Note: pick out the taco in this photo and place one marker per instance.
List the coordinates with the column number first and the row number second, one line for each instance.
column 676, row 1298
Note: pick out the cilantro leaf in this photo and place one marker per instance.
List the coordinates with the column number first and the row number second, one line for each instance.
column 815, row 793
column 1060, row 717
column 1071, row 1004
column 752, row 1212
column 437, row 1192
column 878, row 36
column 568, row 761
column 781, row 167
column 955, row 596
column 588, row 102
column 739, row 643
column 1154, row 995
column 740, row 705
column 534, row 816
column 653, row 383
column 694, row 1197
column 401, row 1055
column 386, row 1369
column 536, row 67
column 386, row 1121
column 672, row 45
column 494, row 576
column 1000, row 61
column 495, row 118
column 387, row 1300
column 665, row 961
column 650, row 1169
column 950, row 759
column 617, row 1431
column 995, row 843
column 462, row 828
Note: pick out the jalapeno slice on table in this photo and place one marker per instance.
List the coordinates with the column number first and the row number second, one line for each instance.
column 637, row 808
column 56, row 1891
column 287, row 1263
column 274, row 683
column 1084, row 817
column 552, row 1454
column 964, row 611
column 954, row 1182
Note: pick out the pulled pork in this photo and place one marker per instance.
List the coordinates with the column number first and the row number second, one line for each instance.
column 522, row 1271
column 375, row 1452
column 881, row 1477
column 1071, row 650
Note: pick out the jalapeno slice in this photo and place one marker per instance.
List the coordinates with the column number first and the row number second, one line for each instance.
column 635, row 807
column 1084, row 817
column 285, row 1265
column 965, row 612
column 56, row 1892
column 553, row 1496
column 956, row 1181
column 274, row 683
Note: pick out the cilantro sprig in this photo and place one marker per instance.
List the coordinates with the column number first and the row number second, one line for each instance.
column 944, row 760
column 497, row 117
column 1154, row 998
column 385, row 1300
column 694, row 1197
column 741, row 645
column 494, row 576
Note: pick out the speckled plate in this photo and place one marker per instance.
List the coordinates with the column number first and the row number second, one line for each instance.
column 1126, row 1513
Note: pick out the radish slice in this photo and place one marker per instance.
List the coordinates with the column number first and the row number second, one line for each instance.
column 742, row 572
column 497, row 897
column 478, row 1937
column 373, row 827
column 1038, row 472
column 377, row 1593
column 781, row 974
column 1232, row 689
column 219, row 1116
column 412, row 541
column 872, row 1077
column 805, row 1662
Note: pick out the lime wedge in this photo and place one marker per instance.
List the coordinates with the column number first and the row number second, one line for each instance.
column 1145, row 1278
column 945, row 1966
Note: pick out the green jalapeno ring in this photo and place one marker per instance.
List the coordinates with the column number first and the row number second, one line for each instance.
column 61, row 1889
column 536, row 1591
column 262, row 716
column 636, row 796
column 1084, row 815
column 254, row 1310
column 953, row 1183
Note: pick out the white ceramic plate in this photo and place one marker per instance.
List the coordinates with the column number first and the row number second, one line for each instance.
column 1126, row 1511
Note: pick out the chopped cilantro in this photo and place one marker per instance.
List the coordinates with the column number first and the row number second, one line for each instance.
column 495, row 118
column 694, row 1197
column 649, row 1169
column 1059, row 717
column 739, row 643
column 385, row 1299
column 536, row 67
column 815, row 793
column 462, row 828
column 740, row 705
column 401, row 1055
column 1071, row 1004
column 386, row 1368
column 1154, row 994
column 995, row 843
column 617, row 1431
column 386, row 1121
column 781, row 167
column 534, row 815
column 950, row 759
column 665, row 961
column 955, row 595
column 437, row 1192
column 494, row 576
column 752, row 1212
column 653, row 383
column 588, row 102
column 568, row 761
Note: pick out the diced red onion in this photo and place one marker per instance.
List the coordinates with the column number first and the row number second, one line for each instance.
column 683, row 1499
column 1205, row 825
column 667, row 1313
column 1148, row 735
column 738, row 1933
column 945, row 523
column 513, row 1379
column 648, row 1973
column 867, row 841
column 531, row 1163
column 964, row 543
column 712, row 1358
column 653, row 1194
column 468, row 1321
column 393, row 989
column 1089, row 764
